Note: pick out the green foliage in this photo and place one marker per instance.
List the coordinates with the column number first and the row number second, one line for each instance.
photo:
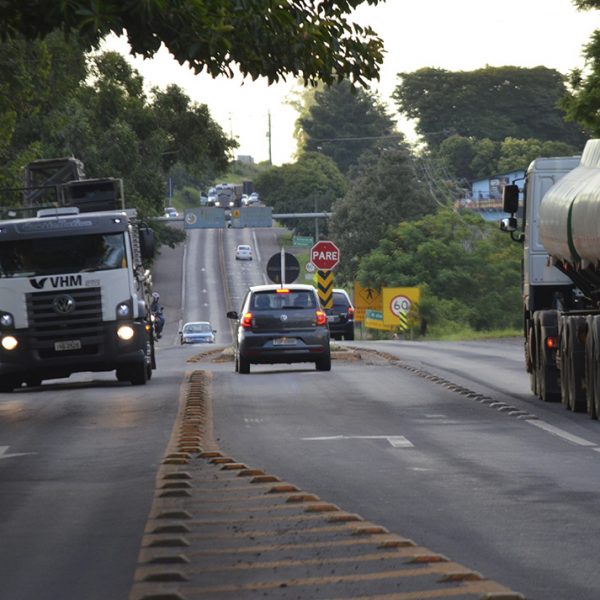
column 582, row 102
column 343, row 123
column 62, row 104
column 469, row 158
column 312, row 183
column 260, row 37
column 468, row 272
column 492, row 102
column 384, row 190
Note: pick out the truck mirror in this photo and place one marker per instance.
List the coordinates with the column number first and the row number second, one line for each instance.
column 510, row 198
column 147, row 244
column 509, row 224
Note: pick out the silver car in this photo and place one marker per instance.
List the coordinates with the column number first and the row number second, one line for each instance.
column 197, row 332
column 281, row 324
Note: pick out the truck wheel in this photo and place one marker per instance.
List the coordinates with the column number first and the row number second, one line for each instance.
column 596, row 371
column 590, row 367
column 575, row 362
column 138, row 374
column 531, row 360
column 243, row 365
column 547, row 373
column 564, row 366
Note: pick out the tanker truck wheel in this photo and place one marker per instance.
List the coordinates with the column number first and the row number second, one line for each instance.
column 564, row 366
column 575, row 363
column 531, row 360
column 596, row 370
column 546, row 322
column 590, row 368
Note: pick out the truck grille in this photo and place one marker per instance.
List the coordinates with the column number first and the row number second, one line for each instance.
column 65, row 316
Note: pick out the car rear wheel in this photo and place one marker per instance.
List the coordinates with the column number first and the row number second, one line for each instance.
column 243, row 366
column 324, row 363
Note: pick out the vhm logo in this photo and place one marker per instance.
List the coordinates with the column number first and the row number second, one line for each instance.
column 57, row 281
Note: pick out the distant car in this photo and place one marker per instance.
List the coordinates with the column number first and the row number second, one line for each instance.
column 253, row 197
column 340, row 316
column 197, row 332
column 171, row 212
column 243, row 252
column 281, row 325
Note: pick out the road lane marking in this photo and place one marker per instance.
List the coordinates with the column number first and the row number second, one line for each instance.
column 561, row 433
column 4, row 450
column 397, row 441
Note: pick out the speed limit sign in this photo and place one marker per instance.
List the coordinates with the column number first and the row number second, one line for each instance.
column 400, row 305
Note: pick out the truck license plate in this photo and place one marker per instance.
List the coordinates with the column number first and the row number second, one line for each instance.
column 67, row 345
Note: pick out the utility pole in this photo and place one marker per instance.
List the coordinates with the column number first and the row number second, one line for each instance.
column 269, row 136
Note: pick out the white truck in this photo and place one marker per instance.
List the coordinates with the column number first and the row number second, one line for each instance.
column 73, row 287
column 560, row 231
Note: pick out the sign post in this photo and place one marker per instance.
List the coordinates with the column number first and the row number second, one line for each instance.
column 283, row 268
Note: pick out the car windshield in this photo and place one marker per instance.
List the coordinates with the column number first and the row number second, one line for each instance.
column 278, row 300
column 197, row 328
column 73, row 254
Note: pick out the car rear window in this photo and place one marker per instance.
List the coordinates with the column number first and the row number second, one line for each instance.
column 275, row 300
column 340, row 301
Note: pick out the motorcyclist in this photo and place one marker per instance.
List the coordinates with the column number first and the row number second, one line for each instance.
column 157, row 310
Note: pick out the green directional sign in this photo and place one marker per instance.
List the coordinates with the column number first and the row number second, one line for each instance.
column 304, row 241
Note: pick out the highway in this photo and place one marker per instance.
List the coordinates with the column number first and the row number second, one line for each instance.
column 435, row 442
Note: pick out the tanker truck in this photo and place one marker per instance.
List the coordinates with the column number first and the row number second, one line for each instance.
column 560, row 233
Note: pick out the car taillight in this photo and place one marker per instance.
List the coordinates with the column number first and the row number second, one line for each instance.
column 350, row 312
column 246, row 320
column 552, row 343
column 321, row 317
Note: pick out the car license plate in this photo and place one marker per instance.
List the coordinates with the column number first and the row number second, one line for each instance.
column 332, row 318
column 67, row 345
column 285, row 341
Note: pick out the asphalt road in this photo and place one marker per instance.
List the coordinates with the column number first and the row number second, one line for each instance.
column 444, row 445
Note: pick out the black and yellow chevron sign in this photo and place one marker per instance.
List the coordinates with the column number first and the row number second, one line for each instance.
column 325, row 288
column 403, row 317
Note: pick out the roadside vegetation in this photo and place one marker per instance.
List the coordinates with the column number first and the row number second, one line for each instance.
column 393, row 204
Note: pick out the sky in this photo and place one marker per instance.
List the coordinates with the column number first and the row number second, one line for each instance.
column 457, row 35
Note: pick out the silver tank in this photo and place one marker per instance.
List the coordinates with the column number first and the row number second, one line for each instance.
column 570, row 212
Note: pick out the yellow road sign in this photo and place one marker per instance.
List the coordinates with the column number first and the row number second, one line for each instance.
column 325, row 288
column 365, row 299
column 400, row 306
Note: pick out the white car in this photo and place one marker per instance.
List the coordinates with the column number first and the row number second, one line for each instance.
column 171, row 212
column 243, row 252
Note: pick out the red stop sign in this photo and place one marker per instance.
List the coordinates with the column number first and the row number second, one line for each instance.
column 325, row 255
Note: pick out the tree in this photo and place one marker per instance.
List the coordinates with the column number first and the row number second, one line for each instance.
column 517, row 154
column 343, row 123
column 493, row 102
column 469, row 158
column 468, row 272
column 582, row 101
column 384, row 190
column 316, row 41
column 312, row 183
column 36, row 80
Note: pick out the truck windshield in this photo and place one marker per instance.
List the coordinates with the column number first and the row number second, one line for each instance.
column 50, row 256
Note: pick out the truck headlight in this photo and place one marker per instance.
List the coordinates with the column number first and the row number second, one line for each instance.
column 9, row 342
column 125, row 332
